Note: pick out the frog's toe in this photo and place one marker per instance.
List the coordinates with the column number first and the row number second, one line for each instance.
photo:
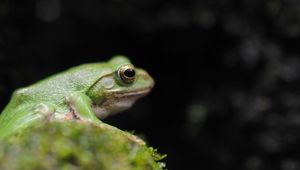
column 45, row 110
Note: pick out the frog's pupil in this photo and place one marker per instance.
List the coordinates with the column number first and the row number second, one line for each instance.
column 129, row 73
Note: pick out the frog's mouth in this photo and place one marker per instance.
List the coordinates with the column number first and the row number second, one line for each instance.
column 119, row 101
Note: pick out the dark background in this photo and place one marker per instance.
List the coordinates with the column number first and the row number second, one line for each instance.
column 227, row 72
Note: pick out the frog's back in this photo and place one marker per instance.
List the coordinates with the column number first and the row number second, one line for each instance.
column 54, row 88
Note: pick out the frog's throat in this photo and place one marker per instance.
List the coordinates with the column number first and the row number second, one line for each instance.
column 119, row 101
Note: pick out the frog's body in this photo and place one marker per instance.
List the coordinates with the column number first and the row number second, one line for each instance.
column 81, row 93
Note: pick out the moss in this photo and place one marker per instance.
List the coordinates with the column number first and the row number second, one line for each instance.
column 73, row 146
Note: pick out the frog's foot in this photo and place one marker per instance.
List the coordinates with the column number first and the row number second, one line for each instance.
column 45, row 110
column 72, row 115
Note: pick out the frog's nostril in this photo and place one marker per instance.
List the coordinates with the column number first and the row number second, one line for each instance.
column 144, row 75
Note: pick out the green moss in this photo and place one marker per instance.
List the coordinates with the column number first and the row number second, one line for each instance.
column 73, row 146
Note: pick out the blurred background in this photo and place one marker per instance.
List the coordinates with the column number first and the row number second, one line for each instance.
column 227, row 72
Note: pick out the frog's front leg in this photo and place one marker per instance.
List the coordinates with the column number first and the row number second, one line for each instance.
column 80, row 106
column 45, row 110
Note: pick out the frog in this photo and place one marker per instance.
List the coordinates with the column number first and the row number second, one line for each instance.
column 85, row 93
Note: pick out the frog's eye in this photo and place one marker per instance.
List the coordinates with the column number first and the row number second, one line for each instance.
column 126, row 73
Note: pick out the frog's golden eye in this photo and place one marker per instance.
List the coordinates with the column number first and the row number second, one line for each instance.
column 126, row 73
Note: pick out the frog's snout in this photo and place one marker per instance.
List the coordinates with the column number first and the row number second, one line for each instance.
column 145, row 76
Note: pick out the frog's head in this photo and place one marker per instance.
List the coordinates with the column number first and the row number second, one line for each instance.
column 119, row 87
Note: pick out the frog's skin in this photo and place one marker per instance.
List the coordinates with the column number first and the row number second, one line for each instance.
column 87, row 92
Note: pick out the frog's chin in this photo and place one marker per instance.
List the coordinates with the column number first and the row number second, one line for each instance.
column 118, row 102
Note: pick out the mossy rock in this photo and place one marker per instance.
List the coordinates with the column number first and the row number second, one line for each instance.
column 74, row 146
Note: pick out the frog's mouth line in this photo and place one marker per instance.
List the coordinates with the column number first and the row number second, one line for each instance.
column 132, row 93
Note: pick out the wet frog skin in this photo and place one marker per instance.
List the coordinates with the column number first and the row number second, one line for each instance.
column 88, row 92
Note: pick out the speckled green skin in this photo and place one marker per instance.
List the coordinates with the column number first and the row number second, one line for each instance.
column 71, row 95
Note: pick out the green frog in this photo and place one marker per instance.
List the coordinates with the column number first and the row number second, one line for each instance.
column 89, row 93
